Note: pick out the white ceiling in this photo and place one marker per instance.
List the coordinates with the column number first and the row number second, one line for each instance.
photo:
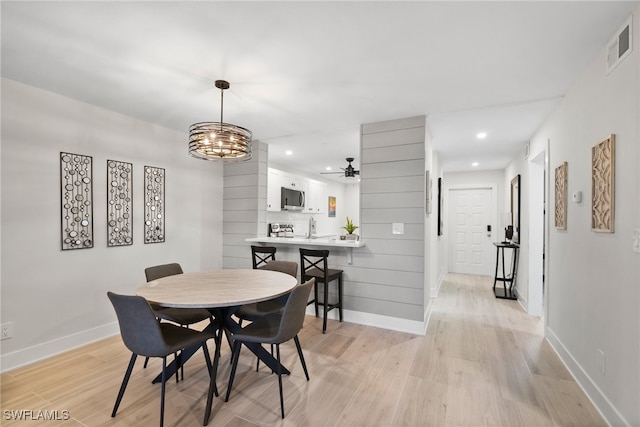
column 305, row 75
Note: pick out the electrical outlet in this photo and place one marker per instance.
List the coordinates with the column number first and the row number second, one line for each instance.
column 636, row 240
column 603, row 362
column 7, row 330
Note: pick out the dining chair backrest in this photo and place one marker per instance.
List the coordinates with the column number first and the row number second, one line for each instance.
column 163, row 270
column 287, row 267
column 293, row 314
column 139, row 327
column 261, row 255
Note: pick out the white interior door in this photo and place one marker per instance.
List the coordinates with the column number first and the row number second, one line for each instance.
column 470, row 244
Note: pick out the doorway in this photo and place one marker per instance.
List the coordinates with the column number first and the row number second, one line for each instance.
column 470, row 230
column 537, row 233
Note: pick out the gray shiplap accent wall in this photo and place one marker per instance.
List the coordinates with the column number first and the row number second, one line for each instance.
column 244, row 206
column 388, row 278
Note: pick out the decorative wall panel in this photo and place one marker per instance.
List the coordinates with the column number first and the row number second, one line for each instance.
column 154, row 207
column 119, row 203
column 76, row 191
column 602, row 185
column 561, row 197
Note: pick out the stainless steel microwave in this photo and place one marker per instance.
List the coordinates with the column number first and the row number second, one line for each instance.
column 291, row 200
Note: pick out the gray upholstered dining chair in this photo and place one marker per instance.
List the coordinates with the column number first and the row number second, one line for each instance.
column 275, row 328
column 181, row 316
column 256, row 310
column 145, row 336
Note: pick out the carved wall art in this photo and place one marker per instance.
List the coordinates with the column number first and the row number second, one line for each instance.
column 154, row 205
column 119, row 203
column 76, row 191
column 561, row 197
column 602, row 185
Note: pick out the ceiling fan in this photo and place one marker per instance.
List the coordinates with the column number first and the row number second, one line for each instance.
column 349, row 171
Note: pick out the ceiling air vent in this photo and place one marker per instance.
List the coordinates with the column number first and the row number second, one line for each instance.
column 619, row 47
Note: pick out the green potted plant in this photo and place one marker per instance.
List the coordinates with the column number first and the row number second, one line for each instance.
column 350, row 228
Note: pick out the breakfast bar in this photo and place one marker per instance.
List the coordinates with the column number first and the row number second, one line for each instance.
column 331, row 242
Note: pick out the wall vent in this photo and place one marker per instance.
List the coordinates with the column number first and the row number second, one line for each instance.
column 620, row 46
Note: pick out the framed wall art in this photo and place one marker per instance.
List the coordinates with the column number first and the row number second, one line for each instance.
column 332, row 206
column 603, row 185
column 154, row 205
column 119, row 203
column 76, row 194
column 440, row 207
column 561, row 196
column 515, row 208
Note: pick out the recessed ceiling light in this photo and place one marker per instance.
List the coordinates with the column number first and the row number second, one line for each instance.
column 328, row 168
column 288, row 152
column 474, row 164
column 481, row 135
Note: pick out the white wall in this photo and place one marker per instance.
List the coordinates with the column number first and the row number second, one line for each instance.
column 594, row 278
column 57, row 299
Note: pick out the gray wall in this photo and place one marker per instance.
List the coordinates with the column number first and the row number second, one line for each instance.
column 390, row 273
column 244, row 206
column 57, row 299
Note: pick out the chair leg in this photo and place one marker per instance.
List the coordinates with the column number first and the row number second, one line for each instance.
column 146, row 360
column 178, row 359
column 324, row 304
column 315, row 295
column 162, row 390
column 125, row 381
column 234, row 364
column 304, row 365
column 279, row 372
column 340, row 296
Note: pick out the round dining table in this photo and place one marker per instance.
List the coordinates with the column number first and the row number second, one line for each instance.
column 217, row 288
column 221, row 292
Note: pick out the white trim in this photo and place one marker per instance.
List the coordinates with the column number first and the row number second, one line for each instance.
column 29, row 355
column 603, row 405
column 379, row 321
column 435, row 291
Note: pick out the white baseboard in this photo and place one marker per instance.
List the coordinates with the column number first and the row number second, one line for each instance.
column 584, row 381
column 377, row 320
column 45, row 350
column 435, row 291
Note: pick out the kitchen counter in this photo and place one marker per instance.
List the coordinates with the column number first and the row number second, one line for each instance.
column 325, row 241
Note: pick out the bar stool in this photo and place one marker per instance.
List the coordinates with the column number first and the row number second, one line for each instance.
column 262, row 254
column 313, row 264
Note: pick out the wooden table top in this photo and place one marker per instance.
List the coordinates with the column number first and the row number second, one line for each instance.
column 218, row 288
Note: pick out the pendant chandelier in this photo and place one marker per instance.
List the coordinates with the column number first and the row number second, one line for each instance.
column 219, row 140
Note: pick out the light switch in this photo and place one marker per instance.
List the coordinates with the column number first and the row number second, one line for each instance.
column 636, row 240
column 397, row 228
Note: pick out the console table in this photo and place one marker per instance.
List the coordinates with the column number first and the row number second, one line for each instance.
column 508, row 277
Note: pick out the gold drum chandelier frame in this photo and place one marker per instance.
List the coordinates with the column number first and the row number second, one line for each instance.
column 219, row 140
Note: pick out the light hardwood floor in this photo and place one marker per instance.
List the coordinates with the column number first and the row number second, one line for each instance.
column 483, row 362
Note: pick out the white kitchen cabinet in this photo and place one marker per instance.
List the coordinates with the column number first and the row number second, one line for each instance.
column 316, row 197
column 275, row 180
column 315, row 191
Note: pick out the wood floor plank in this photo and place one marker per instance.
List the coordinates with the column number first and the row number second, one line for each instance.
column 482, row 362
